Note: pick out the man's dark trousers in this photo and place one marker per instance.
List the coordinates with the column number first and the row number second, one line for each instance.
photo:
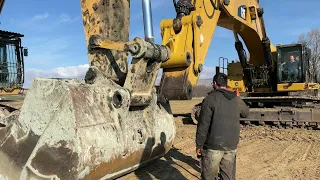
column 218, row 164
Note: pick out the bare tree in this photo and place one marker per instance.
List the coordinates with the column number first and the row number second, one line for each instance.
column 312, row 40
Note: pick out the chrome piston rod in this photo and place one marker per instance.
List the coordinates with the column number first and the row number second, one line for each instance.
column 147, row 20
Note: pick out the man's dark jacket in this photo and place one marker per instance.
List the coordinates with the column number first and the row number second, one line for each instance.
column 291, row 66
column 219, row 126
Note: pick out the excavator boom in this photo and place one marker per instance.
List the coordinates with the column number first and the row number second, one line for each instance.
column 191, row 33
column 188, row 37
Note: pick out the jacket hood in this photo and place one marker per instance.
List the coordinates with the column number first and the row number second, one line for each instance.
column 228, row 94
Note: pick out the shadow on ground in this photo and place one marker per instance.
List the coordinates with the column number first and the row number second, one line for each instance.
column 164, row 168
column 7, row 100
column 186, row 118
column 182, row 115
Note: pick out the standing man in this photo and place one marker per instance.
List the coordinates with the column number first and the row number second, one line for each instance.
column 218, row 130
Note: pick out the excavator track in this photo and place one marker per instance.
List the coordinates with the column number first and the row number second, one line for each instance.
column 284, row 111
column 278, row 112
column 284, row 117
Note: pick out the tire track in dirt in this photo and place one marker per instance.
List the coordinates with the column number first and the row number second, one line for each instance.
column 309, row 168
column 306, row 153
column 254, row 159
column 294, row 150
column 279, row 160
column 286, row 159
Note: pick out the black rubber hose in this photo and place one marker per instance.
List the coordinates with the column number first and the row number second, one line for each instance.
column 174, row 3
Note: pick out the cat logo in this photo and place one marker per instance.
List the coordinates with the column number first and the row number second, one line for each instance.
column 242, row 12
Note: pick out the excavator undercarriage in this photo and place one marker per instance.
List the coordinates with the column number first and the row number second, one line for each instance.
column 282, row 109
column 296, row 111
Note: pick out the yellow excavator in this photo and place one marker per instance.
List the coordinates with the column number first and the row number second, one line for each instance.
column 11, row 61
column 115, row 120
column 11, row 71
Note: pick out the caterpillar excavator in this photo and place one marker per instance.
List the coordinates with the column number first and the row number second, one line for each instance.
column 11, row 71
column 11, row 61
column 114, row 120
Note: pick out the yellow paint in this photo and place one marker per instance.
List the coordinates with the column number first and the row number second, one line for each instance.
column 87, row 12
column 174, row 42
column 11, row 92
column 235, row 77
column 297, row 87
column 196, row 40
column 176, row 60
column 237, row 85
column 191, row 39
column 107, row 44
column 250, row 30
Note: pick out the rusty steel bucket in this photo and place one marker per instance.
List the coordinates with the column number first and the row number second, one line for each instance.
column 71, row 130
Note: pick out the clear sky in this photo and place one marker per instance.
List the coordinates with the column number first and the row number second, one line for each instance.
column 54, row 32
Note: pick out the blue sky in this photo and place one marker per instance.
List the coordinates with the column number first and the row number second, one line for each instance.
column 54, row 32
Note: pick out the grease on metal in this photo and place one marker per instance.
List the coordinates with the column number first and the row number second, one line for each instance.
column 85, row 134
column 110, row 19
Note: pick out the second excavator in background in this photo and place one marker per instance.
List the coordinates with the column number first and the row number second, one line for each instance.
column 12, row 73
column 11, row 61
column 289, row 100
column 114, row 121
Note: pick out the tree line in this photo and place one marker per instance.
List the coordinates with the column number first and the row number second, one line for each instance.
column 312, row 40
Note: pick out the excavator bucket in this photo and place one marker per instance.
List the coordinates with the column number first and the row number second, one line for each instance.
column 86, row 129
column 70, row 130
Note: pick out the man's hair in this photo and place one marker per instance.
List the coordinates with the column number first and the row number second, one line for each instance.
column 221, row 79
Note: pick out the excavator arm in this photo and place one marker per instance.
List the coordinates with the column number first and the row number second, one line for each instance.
column 185, row 43
column 190, row 34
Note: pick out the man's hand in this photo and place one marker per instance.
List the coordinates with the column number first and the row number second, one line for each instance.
column 198, row 151
column 232, row 90
column 237, row 92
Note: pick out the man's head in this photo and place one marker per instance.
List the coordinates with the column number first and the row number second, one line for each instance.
column 291, row 58
column 220, row 80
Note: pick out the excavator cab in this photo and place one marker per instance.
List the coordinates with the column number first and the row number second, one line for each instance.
column 11, row 62
column 290, row 65
column 293, row 71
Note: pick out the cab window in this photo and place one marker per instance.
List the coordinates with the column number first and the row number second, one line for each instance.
column 289, row 65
